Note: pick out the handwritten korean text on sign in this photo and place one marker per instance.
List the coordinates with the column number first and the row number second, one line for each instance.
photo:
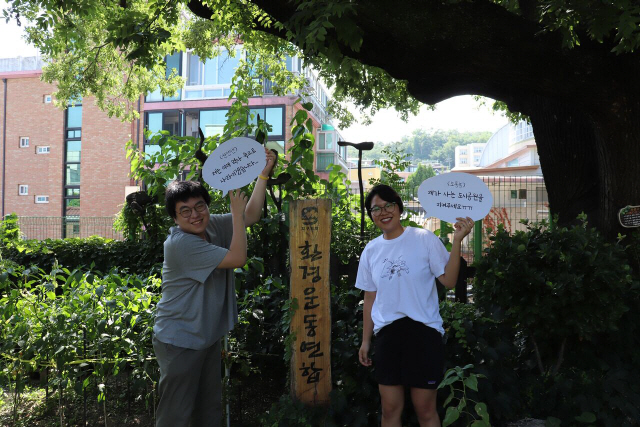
column 452, row 195
column 310, row 230
column 234, row 164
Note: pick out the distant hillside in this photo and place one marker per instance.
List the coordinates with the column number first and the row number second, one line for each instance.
column 425, row 145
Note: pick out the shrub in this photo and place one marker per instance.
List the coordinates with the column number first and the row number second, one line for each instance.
column 568, row 298
column 94, row 252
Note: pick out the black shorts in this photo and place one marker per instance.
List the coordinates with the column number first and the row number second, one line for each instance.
column 409, row 353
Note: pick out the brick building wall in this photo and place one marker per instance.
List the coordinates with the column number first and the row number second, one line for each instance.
column 27, row 115
column 104, row 166
column 104, row 170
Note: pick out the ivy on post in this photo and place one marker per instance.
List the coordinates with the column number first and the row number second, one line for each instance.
column 310, row 231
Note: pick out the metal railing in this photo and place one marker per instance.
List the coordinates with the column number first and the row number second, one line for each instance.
column 41, row 228
column 514, row 198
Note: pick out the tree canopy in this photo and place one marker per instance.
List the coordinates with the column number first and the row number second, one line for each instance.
column 571, row 66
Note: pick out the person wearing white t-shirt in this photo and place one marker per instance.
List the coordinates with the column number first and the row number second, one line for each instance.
column 397, row 273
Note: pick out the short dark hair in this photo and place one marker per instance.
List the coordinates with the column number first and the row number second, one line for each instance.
column 386, row 193
column 181, row 191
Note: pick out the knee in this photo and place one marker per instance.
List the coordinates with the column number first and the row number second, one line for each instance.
column 425, row 411
column 392, row 409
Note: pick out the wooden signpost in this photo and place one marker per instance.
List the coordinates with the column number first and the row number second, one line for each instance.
column 310, row 236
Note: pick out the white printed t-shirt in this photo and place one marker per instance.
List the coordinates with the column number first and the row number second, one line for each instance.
column 403, row 271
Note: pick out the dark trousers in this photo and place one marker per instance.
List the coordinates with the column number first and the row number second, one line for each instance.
column 190, row 387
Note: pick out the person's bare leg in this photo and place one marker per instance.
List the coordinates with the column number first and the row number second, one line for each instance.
column 424, row 403
column 392, row 397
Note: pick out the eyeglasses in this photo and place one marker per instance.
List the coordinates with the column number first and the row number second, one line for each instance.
column 377, row 210
column 185, row 212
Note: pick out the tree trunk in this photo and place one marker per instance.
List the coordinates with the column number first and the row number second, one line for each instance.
column 590, row 161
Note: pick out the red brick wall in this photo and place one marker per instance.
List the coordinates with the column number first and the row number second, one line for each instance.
column 27, row 115
column 104, row 172
column 104, row 167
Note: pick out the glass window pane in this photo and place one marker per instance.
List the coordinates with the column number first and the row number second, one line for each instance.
column 73, row 174
column 193, row 94
column 321, row 141
column 151, row 149
column 212, row 122
column 329, row 141
column 154, row 96
column 194, row 70
column 173, row 61
column 73, row 151
column 154, row 123
column 255, row 112
column 212, row 130
column 210, row 71
column 226, row 67
column 74, row 117
column 72, row 207
column 214, row 117
column 274, row 118
column 73, row 192
column 170, row 122
column 289, row 63
column 276, row 145
column 77, row 133
column 226, row 93
column 217, row 93
column 71, row 134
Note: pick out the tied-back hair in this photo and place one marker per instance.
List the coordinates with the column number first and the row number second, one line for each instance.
column 386, row 193
column 181, row 191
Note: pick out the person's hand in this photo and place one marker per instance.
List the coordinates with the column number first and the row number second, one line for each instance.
column 363, row 354
column 271, row 161
column 462, row 228
column 238, row 202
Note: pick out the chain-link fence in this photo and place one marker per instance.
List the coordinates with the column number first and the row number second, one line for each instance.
column 41, row 228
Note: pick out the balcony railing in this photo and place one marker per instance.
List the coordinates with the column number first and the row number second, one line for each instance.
column 323, row 160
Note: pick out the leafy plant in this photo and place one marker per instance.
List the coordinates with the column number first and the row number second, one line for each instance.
column 459, row 380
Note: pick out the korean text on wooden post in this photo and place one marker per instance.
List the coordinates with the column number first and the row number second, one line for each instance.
column 310, row 237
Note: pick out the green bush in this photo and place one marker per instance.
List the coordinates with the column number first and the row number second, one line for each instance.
column 79, row 327
column 97, row 253
column 568, row 306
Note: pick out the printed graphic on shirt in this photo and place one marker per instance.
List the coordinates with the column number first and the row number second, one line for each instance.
column 394, row 267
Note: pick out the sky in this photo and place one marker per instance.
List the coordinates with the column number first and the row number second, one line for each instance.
column 461, row 112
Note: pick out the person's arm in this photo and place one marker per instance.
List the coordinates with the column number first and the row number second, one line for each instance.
column 237, row 255
column 367, row 328
column 451, row 270
column 254, row 208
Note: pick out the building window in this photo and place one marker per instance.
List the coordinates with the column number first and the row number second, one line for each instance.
column 325, row 140
column 463, row 161
column 42, row 199
column 168, row 121
column 523, row 130
column 173, row 62
column 43, row 149
column 72, row 161
column 23, row 190
column 514, row 162
column 47, row 99
column 24, row 141
column 519, row 194
column 211, row 78
column 477, row 149
column 463, row 152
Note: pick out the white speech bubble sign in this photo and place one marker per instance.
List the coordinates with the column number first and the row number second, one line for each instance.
column 234, row 164
column 455, row 194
